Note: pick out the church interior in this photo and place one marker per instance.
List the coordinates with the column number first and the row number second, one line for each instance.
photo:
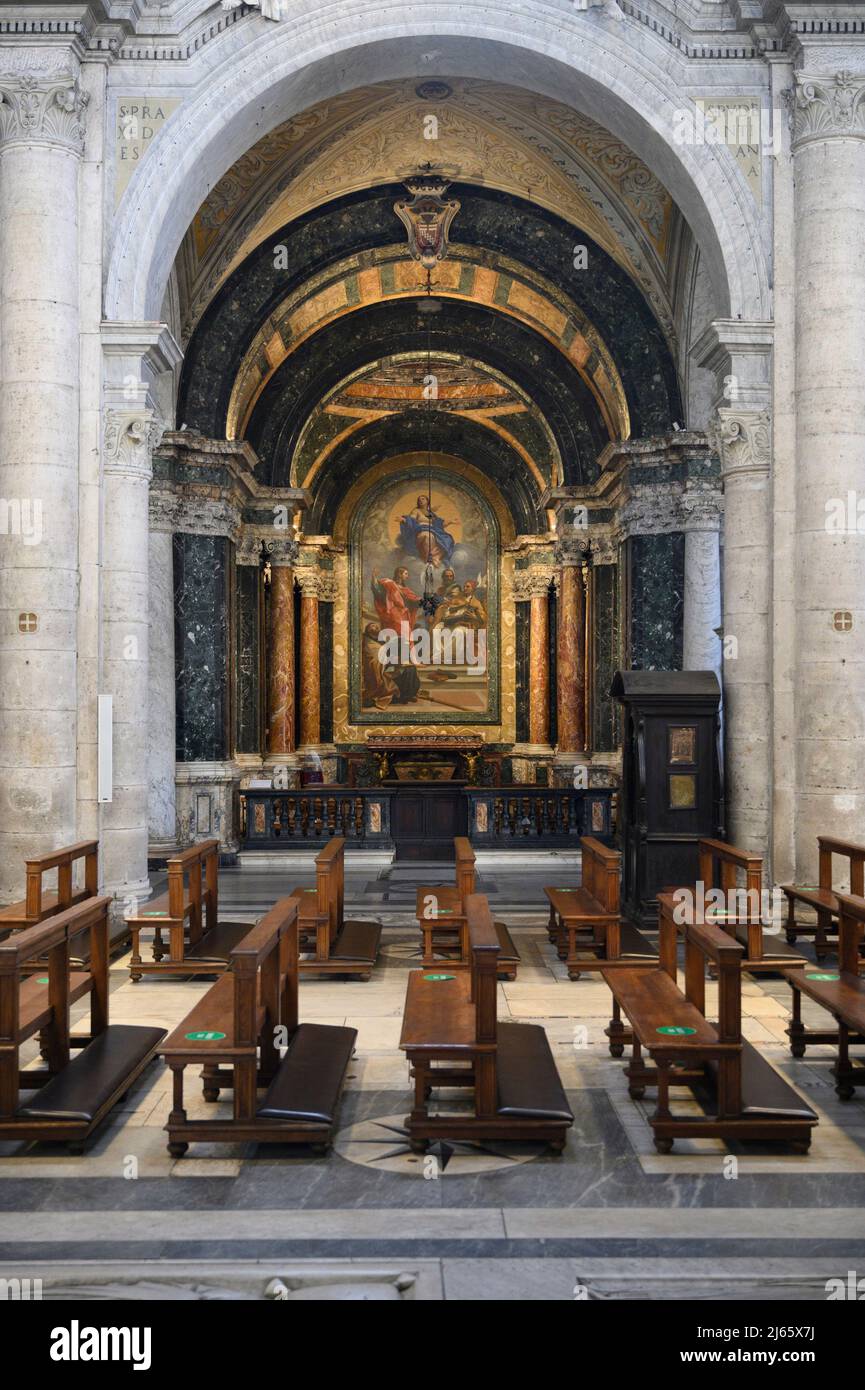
column 432, row 820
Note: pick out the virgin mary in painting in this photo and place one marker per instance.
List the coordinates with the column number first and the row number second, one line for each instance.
column 423, row 533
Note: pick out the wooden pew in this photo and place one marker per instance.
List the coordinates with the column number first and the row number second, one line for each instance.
column 440, row 910
column 232, row 1032
column 198, row 943
column 588, row 918
column 336, row 946
column 72, row 1095
column 841, row 993
column 451, row 1037
column 738, row 874
column 37, row 904
column 742, row 1095
column 823, row 900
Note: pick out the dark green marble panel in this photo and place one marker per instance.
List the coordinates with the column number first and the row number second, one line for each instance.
column 657, row 595
column 248, row 733
column 201, row 646
column 606, row 659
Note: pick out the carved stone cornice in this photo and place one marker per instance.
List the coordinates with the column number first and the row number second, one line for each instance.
column 128, row 441
column 743, row 442
column 41, row 102
column 828, row 107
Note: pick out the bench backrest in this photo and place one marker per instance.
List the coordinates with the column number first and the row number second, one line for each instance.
column 465, row 866
column 483, row 946
column 851, row 925
column 855, row 856
column 330, row 883
column 269, row 950
column 704, row 942
column 50, row 940
column 730, row 869
column 63, row 860
column 198, row 867
column 601, row 872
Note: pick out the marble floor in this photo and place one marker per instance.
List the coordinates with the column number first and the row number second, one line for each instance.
column 608, row 1219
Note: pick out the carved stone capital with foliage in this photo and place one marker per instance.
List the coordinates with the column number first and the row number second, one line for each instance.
column 828, row 107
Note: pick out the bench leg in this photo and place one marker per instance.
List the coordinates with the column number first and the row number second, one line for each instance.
column 422, row 1090
column 178, row 1114
column 821, row 945
column 158, row 948
column 796, row 1028
column 791, row 923
column 617, row 1032
column 663, row 1143
column 843, row 1067
column 638, row 1073
column 209, row 1081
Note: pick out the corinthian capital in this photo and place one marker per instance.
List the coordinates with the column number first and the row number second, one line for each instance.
column 40, row 101
column 129, row 438
column 318, row 584
column 828, row 108
column 743, row 441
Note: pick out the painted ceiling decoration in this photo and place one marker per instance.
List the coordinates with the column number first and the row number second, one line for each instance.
column 488, row 134
column 384, row 274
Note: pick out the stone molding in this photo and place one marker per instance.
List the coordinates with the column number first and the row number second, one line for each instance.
column 128, row 441
column 317, row 584
column 572, row 550
column 828, row 107
column 743, row 441
column 41, row 102
column 532, row 583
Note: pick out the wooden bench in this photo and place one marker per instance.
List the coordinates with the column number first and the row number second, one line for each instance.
column 742, row 1096
column 72, row 1095
column 737, row 875
column 451, row 1037
column 587, row 919
column 823, row 900
column 37, row 904
column 234, row 1032
column 841, row 993
column 198, row 943
column 335, row 946
column 440, row 910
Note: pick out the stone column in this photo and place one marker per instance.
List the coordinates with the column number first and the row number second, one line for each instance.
column 136, row 355
column 743, row 440
column 701, row 645
column 41, row 141
column 280, row 659
column 309, row 687
column 161, row 711
column 539, row 660
column 571, row 649
column 829, row 177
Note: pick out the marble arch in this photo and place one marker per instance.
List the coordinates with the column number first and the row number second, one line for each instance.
column 259, row 84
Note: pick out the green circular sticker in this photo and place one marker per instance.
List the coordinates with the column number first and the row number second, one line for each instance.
column 824, row 975
column 205, row 1037
column 439, row 977
column 675, row 1032
column 154, row 914
column 42, row 980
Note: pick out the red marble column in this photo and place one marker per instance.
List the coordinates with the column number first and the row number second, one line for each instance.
column 280, row 685
column 539, row 663
column 571, row 658
column 310, row 690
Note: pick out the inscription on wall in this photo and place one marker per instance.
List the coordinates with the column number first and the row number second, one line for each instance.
column 139, row 121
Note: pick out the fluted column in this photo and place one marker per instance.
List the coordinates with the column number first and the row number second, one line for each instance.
column 41, row 142
column 280, row 664
column 571, row 649
column 829, row 176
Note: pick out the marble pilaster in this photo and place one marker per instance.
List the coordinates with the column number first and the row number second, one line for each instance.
column 701, row 644
column 161, row 713
column 42, row 111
